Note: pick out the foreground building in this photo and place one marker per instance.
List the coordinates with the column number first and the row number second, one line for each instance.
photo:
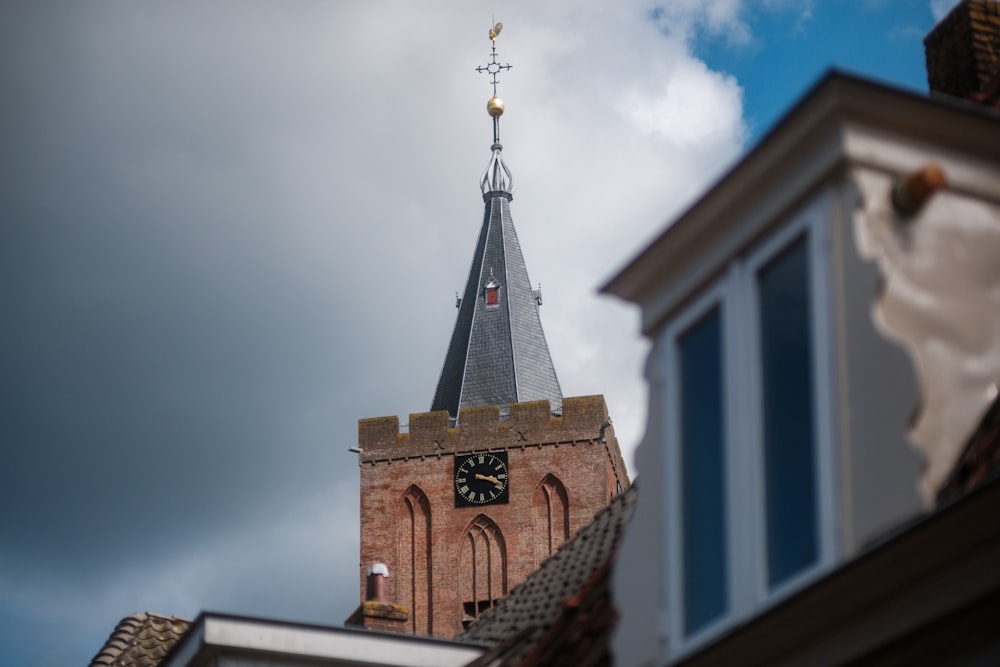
column 819, row 468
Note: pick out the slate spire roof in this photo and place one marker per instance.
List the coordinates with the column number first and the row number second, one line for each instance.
column 498, row 354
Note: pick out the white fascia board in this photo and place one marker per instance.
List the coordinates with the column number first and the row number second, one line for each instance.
column 843, row 120
column 768, row 181
column 219, row 635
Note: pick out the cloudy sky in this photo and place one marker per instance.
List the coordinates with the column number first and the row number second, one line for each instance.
column 229, row 230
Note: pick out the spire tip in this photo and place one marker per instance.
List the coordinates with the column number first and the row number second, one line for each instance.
column 495, row 106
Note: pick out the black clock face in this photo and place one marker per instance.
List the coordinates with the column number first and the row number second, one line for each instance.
column 481, row 479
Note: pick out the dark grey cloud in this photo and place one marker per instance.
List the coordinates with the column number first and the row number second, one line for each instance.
column 151, row 325
column 175, row 372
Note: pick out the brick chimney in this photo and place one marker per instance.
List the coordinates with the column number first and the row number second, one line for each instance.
column 376, row 612
column 963, row 53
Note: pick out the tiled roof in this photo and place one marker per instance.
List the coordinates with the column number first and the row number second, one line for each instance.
column 140, row 640
column 980, row 461
column 498, row 354
column 563, row 613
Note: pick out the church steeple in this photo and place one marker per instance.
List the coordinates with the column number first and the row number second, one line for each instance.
column 498, row 354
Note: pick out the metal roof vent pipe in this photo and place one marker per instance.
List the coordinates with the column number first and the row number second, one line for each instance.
column 376, row 583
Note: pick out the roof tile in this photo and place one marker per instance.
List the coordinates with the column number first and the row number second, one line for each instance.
column 140, row 640
column 563, row 613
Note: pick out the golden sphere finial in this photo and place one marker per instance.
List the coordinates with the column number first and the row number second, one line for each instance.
column 494, row 107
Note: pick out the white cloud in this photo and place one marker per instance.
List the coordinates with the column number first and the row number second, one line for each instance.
column 612, row 126
column 697, row 108
column 716, row 17
column 940, row 8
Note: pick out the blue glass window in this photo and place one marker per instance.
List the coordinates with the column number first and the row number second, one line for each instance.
column 788, row 419
column 702, row 428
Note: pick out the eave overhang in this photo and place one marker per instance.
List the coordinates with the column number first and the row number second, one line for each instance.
column 844, row 120
column 235, row 640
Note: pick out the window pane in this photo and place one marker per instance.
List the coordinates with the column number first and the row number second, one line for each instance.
column 702, row 473
column 786, row 363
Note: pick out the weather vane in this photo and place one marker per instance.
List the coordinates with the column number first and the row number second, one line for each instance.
column 494, row 107
column 493, row 67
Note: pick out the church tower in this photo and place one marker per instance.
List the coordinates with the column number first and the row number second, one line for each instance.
column 461, row 505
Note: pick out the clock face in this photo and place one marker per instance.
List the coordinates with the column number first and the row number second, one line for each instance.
column 481, row 479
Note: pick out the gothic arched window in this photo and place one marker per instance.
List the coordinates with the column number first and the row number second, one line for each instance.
column 414, row 583
column 484, row 568
column 550, row 506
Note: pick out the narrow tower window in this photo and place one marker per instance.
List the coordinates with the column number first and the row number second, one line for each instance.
column 415, row 567
column 492, row 291
column 484, row 568
column 550, row 505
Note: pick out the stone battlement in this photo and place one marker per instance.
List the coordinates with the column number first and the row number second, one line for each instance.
column 481, row 428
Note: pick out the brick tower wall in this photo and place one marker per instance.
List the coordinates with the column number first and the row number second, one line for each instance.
column 963, row 50
column 578, row 448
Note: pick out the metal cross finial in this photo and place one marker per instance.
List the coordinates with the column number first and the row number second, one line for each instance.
column 493, row 68
column 495, row 105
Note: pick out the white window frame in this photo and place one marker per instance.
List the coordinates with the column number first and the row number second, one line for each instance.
column 735, row 293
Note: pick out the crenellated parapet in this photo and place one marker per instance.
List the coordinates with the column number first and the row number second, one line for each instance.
column 584, row 418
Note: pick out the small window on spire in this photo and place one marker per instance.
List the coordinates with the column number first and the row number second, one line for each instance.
column 492, row 295
column 492, row 292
